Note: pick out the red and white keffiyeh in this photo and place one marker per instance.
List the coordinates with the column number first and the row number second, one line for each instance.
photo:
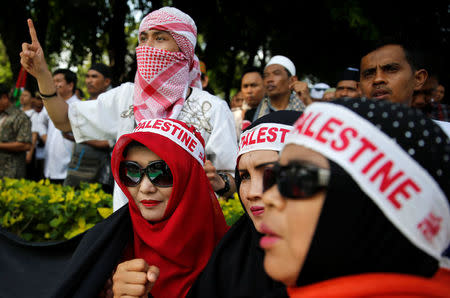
column 163, row 77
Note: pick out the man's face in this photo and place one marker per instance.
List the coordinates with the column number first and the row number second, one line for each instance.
column 237, row 100
column 63, row 88
column 96, row 83
column 25, row 98
column 4, row 103
column 347, row 88
column 252, row 88
column 387, row 75
column 276, row 80
column 38, row 105
column 439, row 93
column 158, row 39
column 423, row 96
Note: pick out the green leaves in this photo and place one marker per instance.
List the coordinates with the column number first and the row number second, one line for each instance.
column 231, row 208
column 40, row 211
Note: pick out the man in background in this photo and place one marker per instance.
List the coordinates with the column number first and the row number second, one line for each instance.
column 58, row 149
column 15, row 137
column 347, row 84
column 392, row 72
column 279, row 78
column 91, row 160
column 252, row 88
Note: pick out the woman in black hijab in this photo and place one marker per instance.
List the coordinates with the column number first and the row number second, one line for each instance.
column 359, row 203
column 236, row 267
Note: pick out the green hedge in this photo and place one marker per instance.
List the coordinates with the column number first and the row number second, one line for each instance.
column 41, row 211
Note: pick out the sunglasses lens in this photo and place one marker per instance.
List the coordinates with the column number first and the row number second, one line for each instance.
column 159, row 174
column 130, row 173
column 291, row 187
column 269, row 178
column 294, row 181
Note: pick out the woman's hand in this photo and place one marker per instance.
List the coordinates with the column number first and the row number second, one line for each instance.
column 134, row 278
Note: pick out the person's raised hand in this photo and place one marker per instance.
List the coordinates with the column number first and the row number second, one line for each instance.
column 32, row 56
column 302, row 91
column 134, row 278
column 216, row 181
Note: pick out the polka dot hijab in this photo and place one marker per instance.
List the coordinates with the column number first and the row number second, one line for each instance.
column 386, row 207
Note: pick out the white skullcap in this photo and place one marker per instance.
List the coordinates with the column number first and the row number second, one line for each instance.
column 283, row 61
column 318, row 90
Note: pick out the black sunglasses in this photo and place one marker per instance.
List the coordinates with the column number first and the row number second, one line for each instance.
column 296, row 180
column 158, row 172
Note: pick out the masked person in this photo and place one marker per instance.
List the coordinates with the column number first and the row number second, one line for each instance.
column 236, row 266
column 359, row 203
column 166, row 85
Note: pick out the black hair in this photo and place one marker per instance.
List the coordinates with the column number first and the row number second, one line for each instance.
column 4, row 90
column 103, row 69
column 414, row 51
column 69, row 76
column 251, row 69
column 131, row 145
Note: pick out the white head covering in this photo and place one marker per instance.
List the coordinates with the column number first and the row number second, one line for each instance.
column 283, row 61
column 318, row 90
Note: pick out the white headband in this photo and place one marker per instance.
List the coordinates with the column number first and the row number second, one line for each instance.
column 265, row 136
column 176, row 133
column 405, row 192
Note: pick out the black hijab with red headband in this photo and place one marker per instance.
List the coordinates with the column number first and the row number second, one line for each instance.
column 182, row 242
column 236, row 266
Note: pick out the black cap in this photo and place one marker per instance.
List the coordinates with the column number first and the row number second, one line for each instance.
column 348, row 74
column 103, row 69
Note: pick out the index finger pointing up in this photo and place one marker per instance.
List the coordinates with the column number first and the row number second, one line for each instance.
column 33, row 34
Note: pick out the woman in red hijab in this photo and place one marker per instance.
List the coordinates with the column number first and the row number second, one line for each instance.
column 175, row 215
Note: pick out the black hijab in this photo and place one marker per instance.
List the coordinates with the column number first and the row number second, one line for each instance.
column 236, row 266
column 78, row 267
column 353, row 234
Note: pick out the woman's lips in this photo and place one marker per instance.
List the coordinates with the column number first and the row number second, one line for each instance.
column 257, row 210
column 269, row 239
column 150, row 203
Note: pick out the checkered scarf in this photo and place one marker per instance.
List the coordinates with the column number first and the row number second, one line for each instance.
column 163, row 77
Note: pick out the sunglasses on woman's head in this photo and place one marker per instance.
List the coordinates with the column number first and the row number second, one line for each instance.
column 158, row 172
column 296, row 180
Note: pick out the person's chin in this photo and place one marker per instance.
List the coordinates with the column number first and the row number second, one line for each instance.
column 151, row 215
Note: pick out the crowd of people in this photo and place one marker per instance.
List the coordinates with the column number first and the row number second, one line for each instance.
column 45, row 151
column 344, row 185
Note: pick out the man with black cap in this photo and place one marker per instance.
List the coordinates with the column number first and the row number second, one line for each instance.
column 98, row 80
column 348, row 84
column 91, row 160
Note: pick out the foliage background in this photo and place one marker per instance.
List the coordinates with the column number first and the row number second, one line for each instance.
column 322, row 37
column 41, row 211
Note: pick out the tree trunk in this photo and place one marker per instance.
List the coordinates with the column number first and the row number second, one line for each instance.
column 118, row 44
column 14, row 31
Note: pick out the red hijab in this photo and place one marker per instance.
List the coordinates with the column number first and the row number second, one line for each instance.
column 182, row 243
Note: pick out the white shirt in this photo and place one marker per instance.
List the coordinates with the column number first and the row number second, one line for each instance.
column 33, row 115
column 58, row 150
column 111, row 116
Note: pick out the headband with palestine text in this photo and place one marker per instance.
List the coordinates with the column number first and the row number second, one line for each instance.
column 409, row 195
column 265, row 136
column 177, row 133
